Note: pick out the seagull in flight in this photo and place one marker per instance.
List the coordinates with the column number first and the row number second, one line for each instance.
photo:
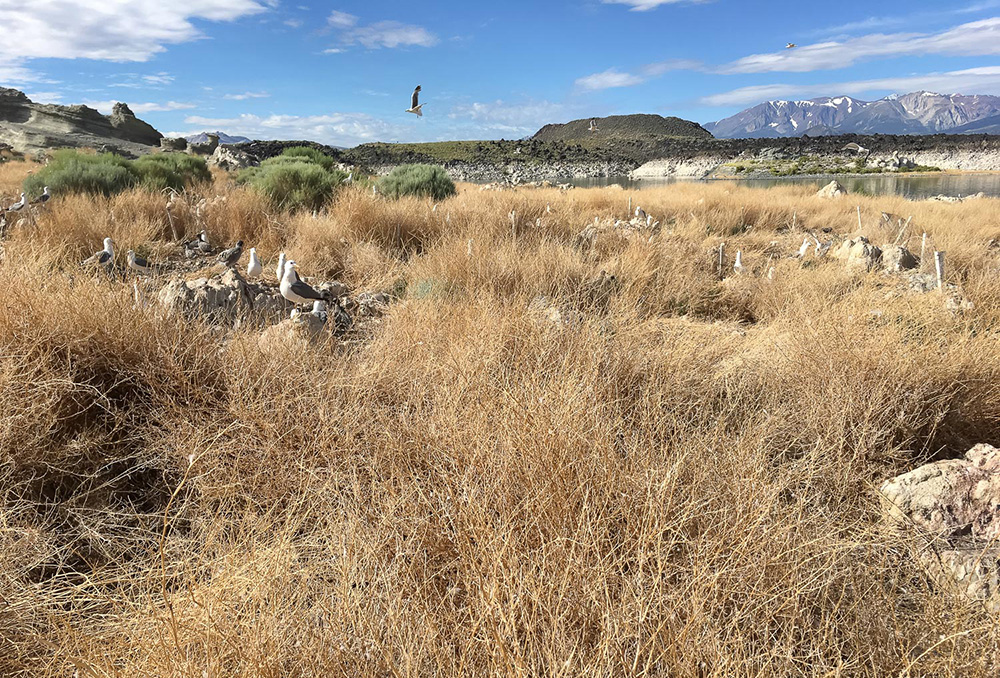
column 857, row 148
column 791, row 45
column 593, row 125
column 415, row 104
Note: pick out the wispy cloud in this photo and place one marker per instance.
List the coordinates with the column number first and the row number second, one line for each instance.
column 246, row 95
column 508, row 117
column 646, row 5
column 978, row 38
column 149, row 107
column 984, row 80
column 342, row 129
column 614, row 78
column 380, row 34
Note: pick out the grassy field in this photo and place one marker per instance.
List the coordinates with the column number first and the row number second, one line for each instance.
column 680, row 479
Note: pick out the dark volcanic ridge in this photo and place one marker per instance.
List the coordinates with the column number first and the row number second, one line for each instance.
column 636, row 126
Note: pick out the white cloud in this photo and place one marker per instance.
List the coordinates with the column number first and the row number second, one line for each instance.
column 246, row 95
column 615, row 78
column 377, row 35
column 342, row 19
column 149, row 107
column 341, row 129
column 983, row 80
column 978, row 38
column 334, row 50
column 645, row 5
column 293, row 23
column 45, row 97
column 502, row 116
column 123, row 30
column 608, row 79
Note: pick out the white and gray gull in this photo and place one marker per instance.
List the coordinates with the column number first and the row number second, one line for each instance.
column 254, row 268
column 296, row 291
column 138, row 264
column 415, row 105
column 104, row 257
column 19, row 205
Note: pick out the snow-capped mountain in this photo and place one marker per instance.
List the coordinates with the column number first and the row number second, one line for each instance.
column 916, row 113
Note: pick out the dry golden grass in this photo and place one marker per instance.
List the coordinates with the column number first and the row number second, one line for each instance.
column 682, row 484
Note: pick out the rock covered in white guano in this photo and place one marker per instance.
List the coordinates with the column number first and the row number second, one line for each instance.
column 834, row 189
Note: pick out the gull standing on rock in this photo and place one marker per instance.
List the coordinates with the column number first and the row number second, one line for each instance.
column 254, row 269
column 231, row 256
column 641, row 213
column 103, row 258
column 415, row 104
column 295, row 290
column 19, row 205
column 138, row 264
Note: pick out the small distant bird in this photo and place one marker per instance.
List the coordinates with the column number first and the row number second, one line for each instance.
column 19, row 205
column 231, row 256
column 138, row 264
column 415, row 105
column 791, row 45
column 803, row 250
column 823, row 248
column 738, row 264
column 280, row 271
column 296, row 291
column 649, row 220
column 44, row 197
column 593, row 125
column 254, row 269
column 350, row 178
column 199, row 245
column 548, row 209
column 103, row 258
column 641, row 213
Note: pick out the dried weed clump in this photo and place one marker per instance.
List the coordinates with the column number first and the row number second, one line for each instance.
column 675, row 477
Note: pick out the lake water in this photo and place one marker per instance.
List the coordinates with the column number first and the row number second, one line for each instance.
column 914, row 187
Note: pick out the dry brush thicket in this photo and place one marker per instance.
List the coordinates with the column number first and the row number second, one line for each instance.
column 679, row 478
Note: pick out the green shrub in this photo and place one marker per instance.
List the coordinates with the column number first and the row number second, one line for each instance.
column 75, row 172
column 426, row 181
column 171, row 170
column 307, row 154
column 107, row 174
column 293, row 184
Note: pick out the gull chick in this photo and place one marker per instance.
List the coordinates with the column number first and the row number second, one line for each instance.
column 231, row 256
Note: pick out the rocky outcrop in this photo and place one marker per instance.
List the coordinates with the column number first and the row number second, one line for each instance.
column 859, row 254
column 834, row 189
column 174, row 144
column 952, row 510
column 896, row 259
column 205, row 148
column 29, row 127
column 231, row 159
column 223, row 298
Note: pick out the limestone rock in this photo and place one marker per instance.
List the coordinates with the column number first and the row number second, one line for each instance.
column 174, row 144
column 834, row 189
column 859, row 253
column 130, row 128
column 221, row 296
column 372, row 304
column 953, row 506
column 231, row 159
column 205, row 148
column 298, row 332
column 896, row 259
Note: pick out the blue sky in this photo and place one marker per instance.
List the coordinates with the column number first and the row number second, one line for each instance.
column 342, row 72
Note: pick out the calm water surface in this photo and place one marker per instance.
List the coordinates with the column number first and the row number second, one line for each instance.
column 915, row 187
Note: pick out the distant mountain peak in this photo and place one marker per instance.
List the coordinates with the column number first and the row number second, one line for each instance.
column 223, row 138
column 919, row 112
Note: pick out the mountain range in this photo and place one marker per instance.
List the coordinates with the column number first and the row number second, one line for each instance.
column 223, row 138
column 915, row 113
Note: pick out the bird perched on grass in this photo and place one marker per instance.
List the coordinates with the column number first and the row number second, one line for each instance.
column 104, row 257
column 44, row 197
column 19, row 205
column 138, row 264
column 254, row 268
column 641, row 213
column 415, row 105
column 231, row 256
column 801, row 254
column 738, row 264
